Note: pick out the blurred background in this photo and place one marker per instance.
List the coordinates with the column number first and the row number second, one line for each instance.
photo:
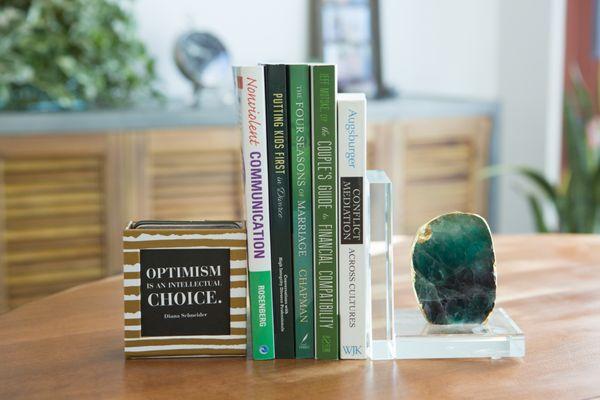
column 117, row 110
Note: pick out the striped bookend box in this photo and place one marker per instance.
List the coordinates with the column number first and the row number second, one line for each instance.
column 185, row 289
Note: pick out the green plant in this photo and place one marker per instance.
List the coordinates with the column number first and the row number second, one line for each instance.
column 576, row 199
column 71, row 52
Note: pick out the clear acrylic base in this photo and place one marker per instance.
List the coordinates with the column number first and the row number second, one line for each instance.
column 404, row 333
column 498, row 337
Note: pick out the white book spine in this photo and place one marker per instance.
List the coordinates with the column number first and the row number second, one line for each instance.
column 250, row 89
column 353, row 251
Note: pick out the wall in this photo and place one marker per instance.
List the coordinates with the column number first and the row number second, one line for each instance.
column 267, row 33
column 445, row 48
column 441, row 47
column 530, row 78
column 506, row 50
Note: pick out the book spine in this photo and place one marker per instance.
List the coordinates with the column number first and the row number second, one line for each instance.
column 280, row 203
column 324, row 143
column 301, row 186
column 353, row 256
column 250, row 89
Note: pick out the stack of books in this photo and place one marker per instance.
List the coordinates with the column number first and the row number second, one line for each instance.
column 304, row 152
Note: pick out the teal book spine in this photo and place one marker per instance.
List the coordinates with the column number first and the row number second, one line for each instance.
column 301, row 188
column 325, row 195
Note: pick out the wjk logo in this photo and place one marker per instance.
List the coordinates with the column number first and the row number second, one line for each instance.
column 352, row 350
column 263, row 349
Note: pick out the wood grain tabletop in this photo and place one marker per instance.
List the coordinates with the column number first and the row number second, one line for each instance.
column 70, row 345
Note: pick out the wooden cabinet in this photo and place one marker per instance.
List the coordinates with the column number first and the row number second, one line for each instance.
column 192, row 176
column 433, row 165
column 64, row 199
column 55, row 220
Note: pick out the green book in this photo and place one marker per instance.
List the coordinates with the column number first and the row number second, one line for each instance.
column 301, row 185
column 324, row 144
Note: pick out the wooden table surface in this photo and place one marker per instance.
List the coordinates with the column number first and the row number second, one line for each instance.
column 70, row 345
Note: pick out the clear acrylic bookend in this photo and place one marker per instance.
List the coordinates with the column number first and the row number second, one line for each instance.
column 404, row 333
column 380, row 300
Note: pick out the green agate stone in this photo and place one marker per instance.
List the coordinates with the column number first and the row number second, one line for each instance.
column 454, row 269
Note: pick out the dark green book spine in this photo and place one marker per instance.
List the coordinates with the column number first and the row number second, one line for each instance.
column 324, row 145
column 301, row 185
column 280, row 213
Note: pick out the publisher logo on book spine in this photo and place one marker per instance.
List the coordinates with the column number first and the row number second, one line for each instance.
column 263, row 349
